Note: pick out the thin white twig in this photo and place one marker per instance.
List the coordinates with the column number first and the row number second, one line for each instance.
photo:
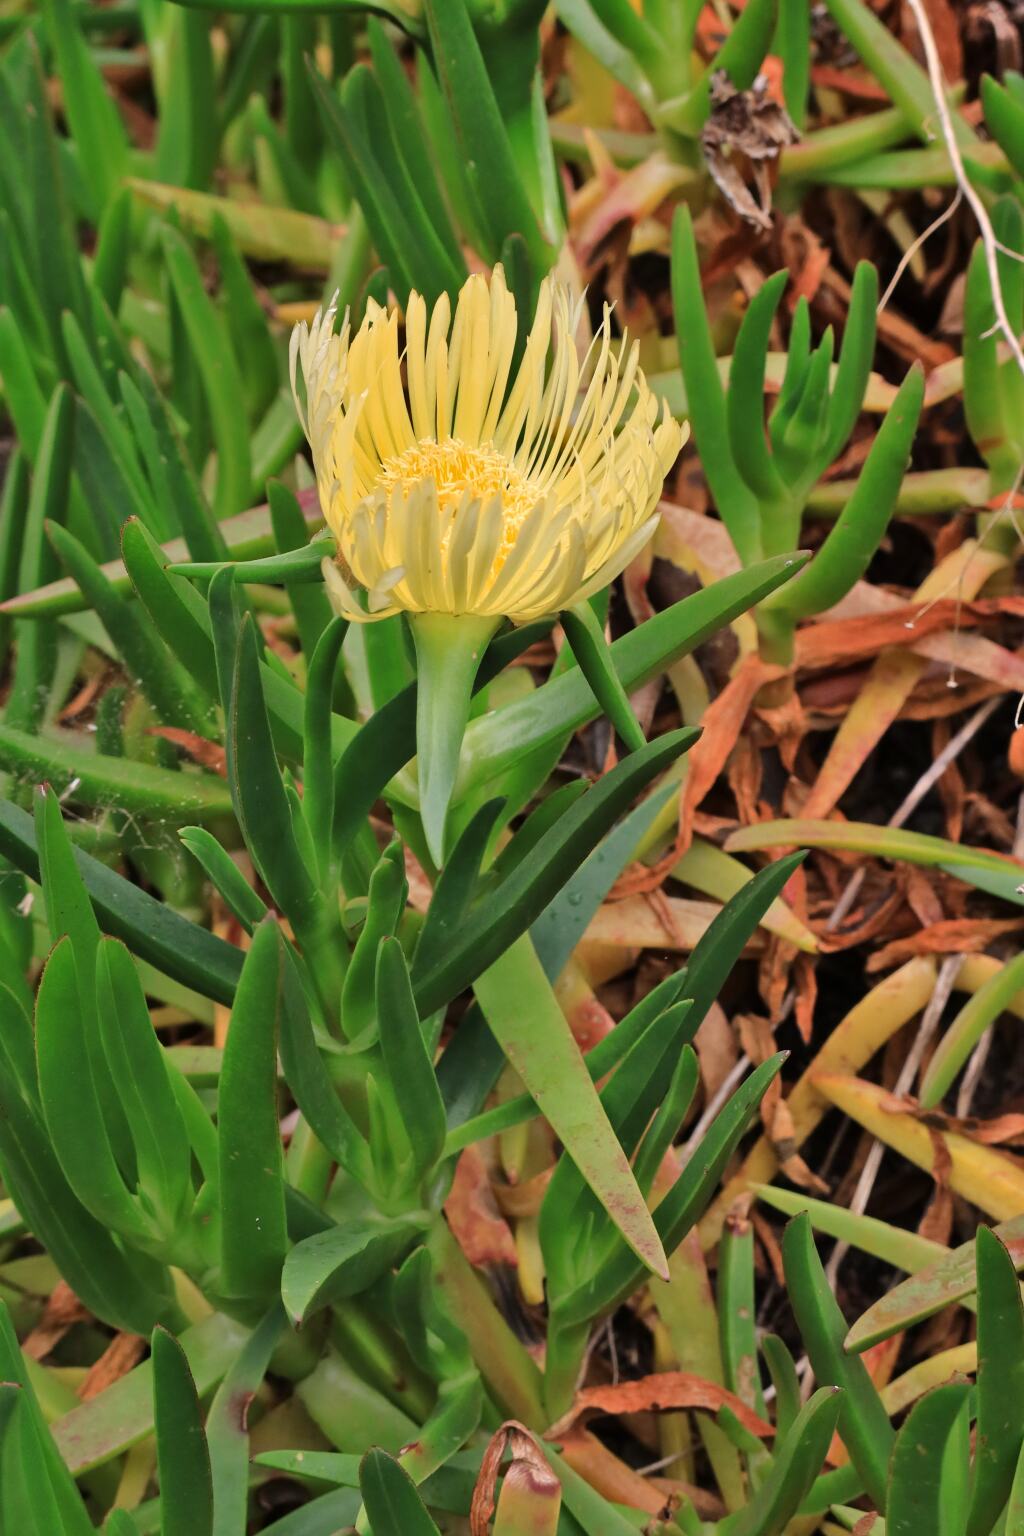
column 915, row 246
column 972, row 1074
column 988, row 236
column 1018, row 835
column 954, row 746
column 711, row 1109
column 991, row 245
column 663, row 1462
column 908, row 1072
column 912, row 800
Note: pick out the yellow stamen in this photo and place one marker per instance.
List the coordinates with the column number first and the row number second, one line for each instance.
column 459, row 469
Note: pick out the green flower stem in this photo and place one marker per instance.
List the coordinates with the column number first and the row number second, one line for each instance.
column 449, row 649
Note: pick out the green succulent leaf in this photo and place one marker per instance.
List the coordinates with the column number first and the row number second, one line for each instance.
column 481, row 130
column 342, row 1262
column 36, row 646
column 1000, row 1433
column 705, row 394
column 1004, row 118
column 855, row 359
column 168, row 685
column 590, row 648
column 163, row 1153
column 384, row 904
column 172, row 606
column 978, row 1014
column 858, row 531
column 929, row 1478
column 552, row 712
column 103, row 782
column 36, row 1481
column 71, row 1105
column 509, row 910
column 629, row 1099
column 258, row 789
column 308, row 1080
column 795, row 1464
column 744, row 401
column 183, row 1456
column 949, row 1280
column 92, row 1434
column 227, row 1429
column 407, row 1060
column 218, row 369
column 863, row 1421
column 682, row 1206
column 390, row 1497
column 252, row 1209
column 151, row 929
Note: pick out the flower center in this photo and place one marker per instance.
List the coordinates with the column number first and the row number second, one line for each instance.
column 456, row 468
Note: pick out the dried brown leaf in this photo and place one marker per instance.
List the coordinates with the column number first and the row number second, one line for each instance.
column 516, row 1439
column 666, row 1391
column 208, row 754
column 480, row 1230
column 744, row 134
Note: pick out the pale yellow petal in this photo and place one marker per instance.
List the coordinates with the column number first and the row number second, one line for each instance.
column 452, row 485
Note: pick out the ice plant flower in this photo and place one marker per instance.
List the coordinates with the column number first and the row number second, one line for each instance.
column 464, row 490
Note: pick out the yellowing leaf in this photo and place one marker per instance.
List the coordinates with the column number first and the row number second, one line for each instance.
column 852, row 1043
column 928, row 1373
column 992, row 1180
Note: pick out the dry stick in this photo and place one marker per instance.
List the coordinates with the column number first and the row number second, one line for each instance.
column 666, row 1461
column 972, row 1074
column 903, row 812
column 908, row 1072
column 915, row 246
column 988, row 236
column 711, row 1110
column 991, row 245
column 1018, row 835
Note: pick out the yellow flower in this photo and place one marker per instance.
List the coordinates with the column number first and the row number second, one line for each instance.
column 454, row 486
